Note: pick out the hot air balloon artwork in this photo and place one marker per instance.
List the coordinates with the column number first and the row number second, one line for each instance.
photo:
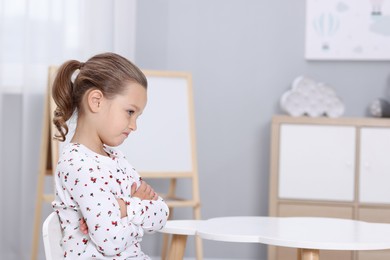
column 347, row 30
column 326, row 26
column 376, row 7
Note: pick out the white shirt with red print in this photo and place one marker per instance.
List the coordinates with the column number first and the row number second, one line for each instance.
column 87, row 186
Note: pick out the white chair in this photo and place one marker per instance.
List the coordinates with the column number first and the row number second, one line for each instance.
column 52, row 236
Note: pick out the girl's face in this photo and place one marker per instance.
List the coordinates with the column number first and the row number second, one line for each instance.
column 119, row 115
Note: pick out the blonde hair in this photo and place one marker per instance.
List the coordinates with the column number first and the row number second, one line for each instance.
column 107, row 72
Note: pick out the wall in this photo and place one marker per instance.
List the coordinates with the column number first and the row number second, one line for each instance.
column 10, row 129
column 20, row 113
column 243, row 55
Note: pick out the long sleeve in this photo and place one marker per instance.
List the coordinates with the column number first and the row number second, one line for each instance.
column 89, row 189
column 150, row 214
column 157, row 213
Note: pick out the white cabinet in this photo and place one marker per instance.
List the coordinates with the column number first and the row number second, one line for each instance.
column 330, row 167
column 374, row 165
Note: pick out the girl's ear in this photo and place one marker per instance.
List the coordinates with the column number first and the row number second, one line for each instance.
column 94, row 98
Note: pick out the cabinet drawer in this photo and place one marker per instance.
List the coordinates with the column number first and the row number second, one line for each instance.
column 306, row 210
column 371, row 214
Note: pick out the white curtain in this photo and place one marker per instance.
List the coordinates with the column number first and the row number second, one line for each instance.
column 33, row 35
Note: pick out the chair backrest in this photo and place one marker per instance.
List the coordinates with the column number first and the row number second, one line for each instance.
column 52, row 236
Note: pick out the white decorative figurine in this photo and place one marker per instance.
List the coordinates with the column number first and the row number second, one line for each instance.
column 308, row 97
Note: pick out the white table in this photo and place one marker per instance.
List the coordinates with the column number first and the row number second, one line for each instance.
column 308, row 234
column 179, row 229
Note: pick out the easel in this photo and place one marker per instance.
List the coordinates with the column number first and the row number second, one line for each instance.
column 49, row 158
column 172, row 200
column 50, row 152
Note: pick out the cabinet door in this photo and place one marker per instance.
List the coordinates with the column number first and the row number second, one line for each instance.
column 375, row 165
column 317, row 162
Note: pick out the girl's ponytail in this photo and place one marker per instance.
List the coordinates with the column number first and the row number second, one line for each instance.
column 63, row 97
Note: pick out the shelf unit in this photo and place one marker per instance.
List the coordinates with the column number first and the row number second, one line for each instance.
column 330, row 167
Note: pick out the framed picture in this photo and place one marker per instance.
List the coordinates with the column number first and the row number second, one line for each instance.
column 347, row 30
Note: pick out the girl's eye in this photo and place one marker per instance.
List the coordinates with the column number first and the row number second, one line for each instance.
column 130, row 112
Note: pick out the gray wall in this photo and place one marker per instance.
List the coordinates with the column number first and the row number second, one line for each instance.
column 243, row 55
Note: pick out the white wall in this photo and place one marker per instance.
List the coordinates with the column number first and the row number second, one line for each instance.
column 243, row 55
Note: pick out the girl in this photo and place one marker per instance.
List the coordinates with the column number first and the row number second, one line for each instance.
column 103, row 205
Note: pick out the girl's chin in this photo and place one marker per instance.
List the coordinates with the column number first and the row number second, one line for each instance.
column 115, row 143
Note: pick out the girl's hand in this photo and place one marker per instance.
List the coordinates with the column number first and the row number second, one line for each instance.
column 144, row 191
column 83, row 226
column 122, row 207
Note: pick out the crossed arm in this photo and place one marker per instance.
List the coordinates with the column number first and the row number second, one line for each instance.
column 144, row 192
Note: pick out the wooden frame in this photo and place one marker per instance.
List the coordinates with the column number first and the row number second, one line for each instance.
column 50, row 151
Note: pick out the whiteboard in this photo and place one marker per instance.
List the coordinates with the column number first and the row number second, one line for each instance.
column 164, row 139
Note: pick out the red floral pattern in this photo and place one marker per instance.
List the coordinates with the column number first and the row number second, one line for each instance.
column 87, row 185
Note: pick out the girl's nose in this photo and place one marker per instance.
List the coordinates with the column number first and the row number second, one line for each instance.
column 133, row 125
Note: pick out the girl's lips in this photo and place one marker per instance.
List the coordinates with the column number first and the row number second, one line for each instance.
column 126, row 134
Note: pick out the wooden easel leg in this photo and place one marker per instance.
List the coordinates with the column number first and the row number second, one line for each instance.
column 199, row 248
column 37, row 219
column 197, row 215
column 177, row 248
column 308, row 254
column 170, row 194
column 166, row 237
column 198, row 240
column 165, row 245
